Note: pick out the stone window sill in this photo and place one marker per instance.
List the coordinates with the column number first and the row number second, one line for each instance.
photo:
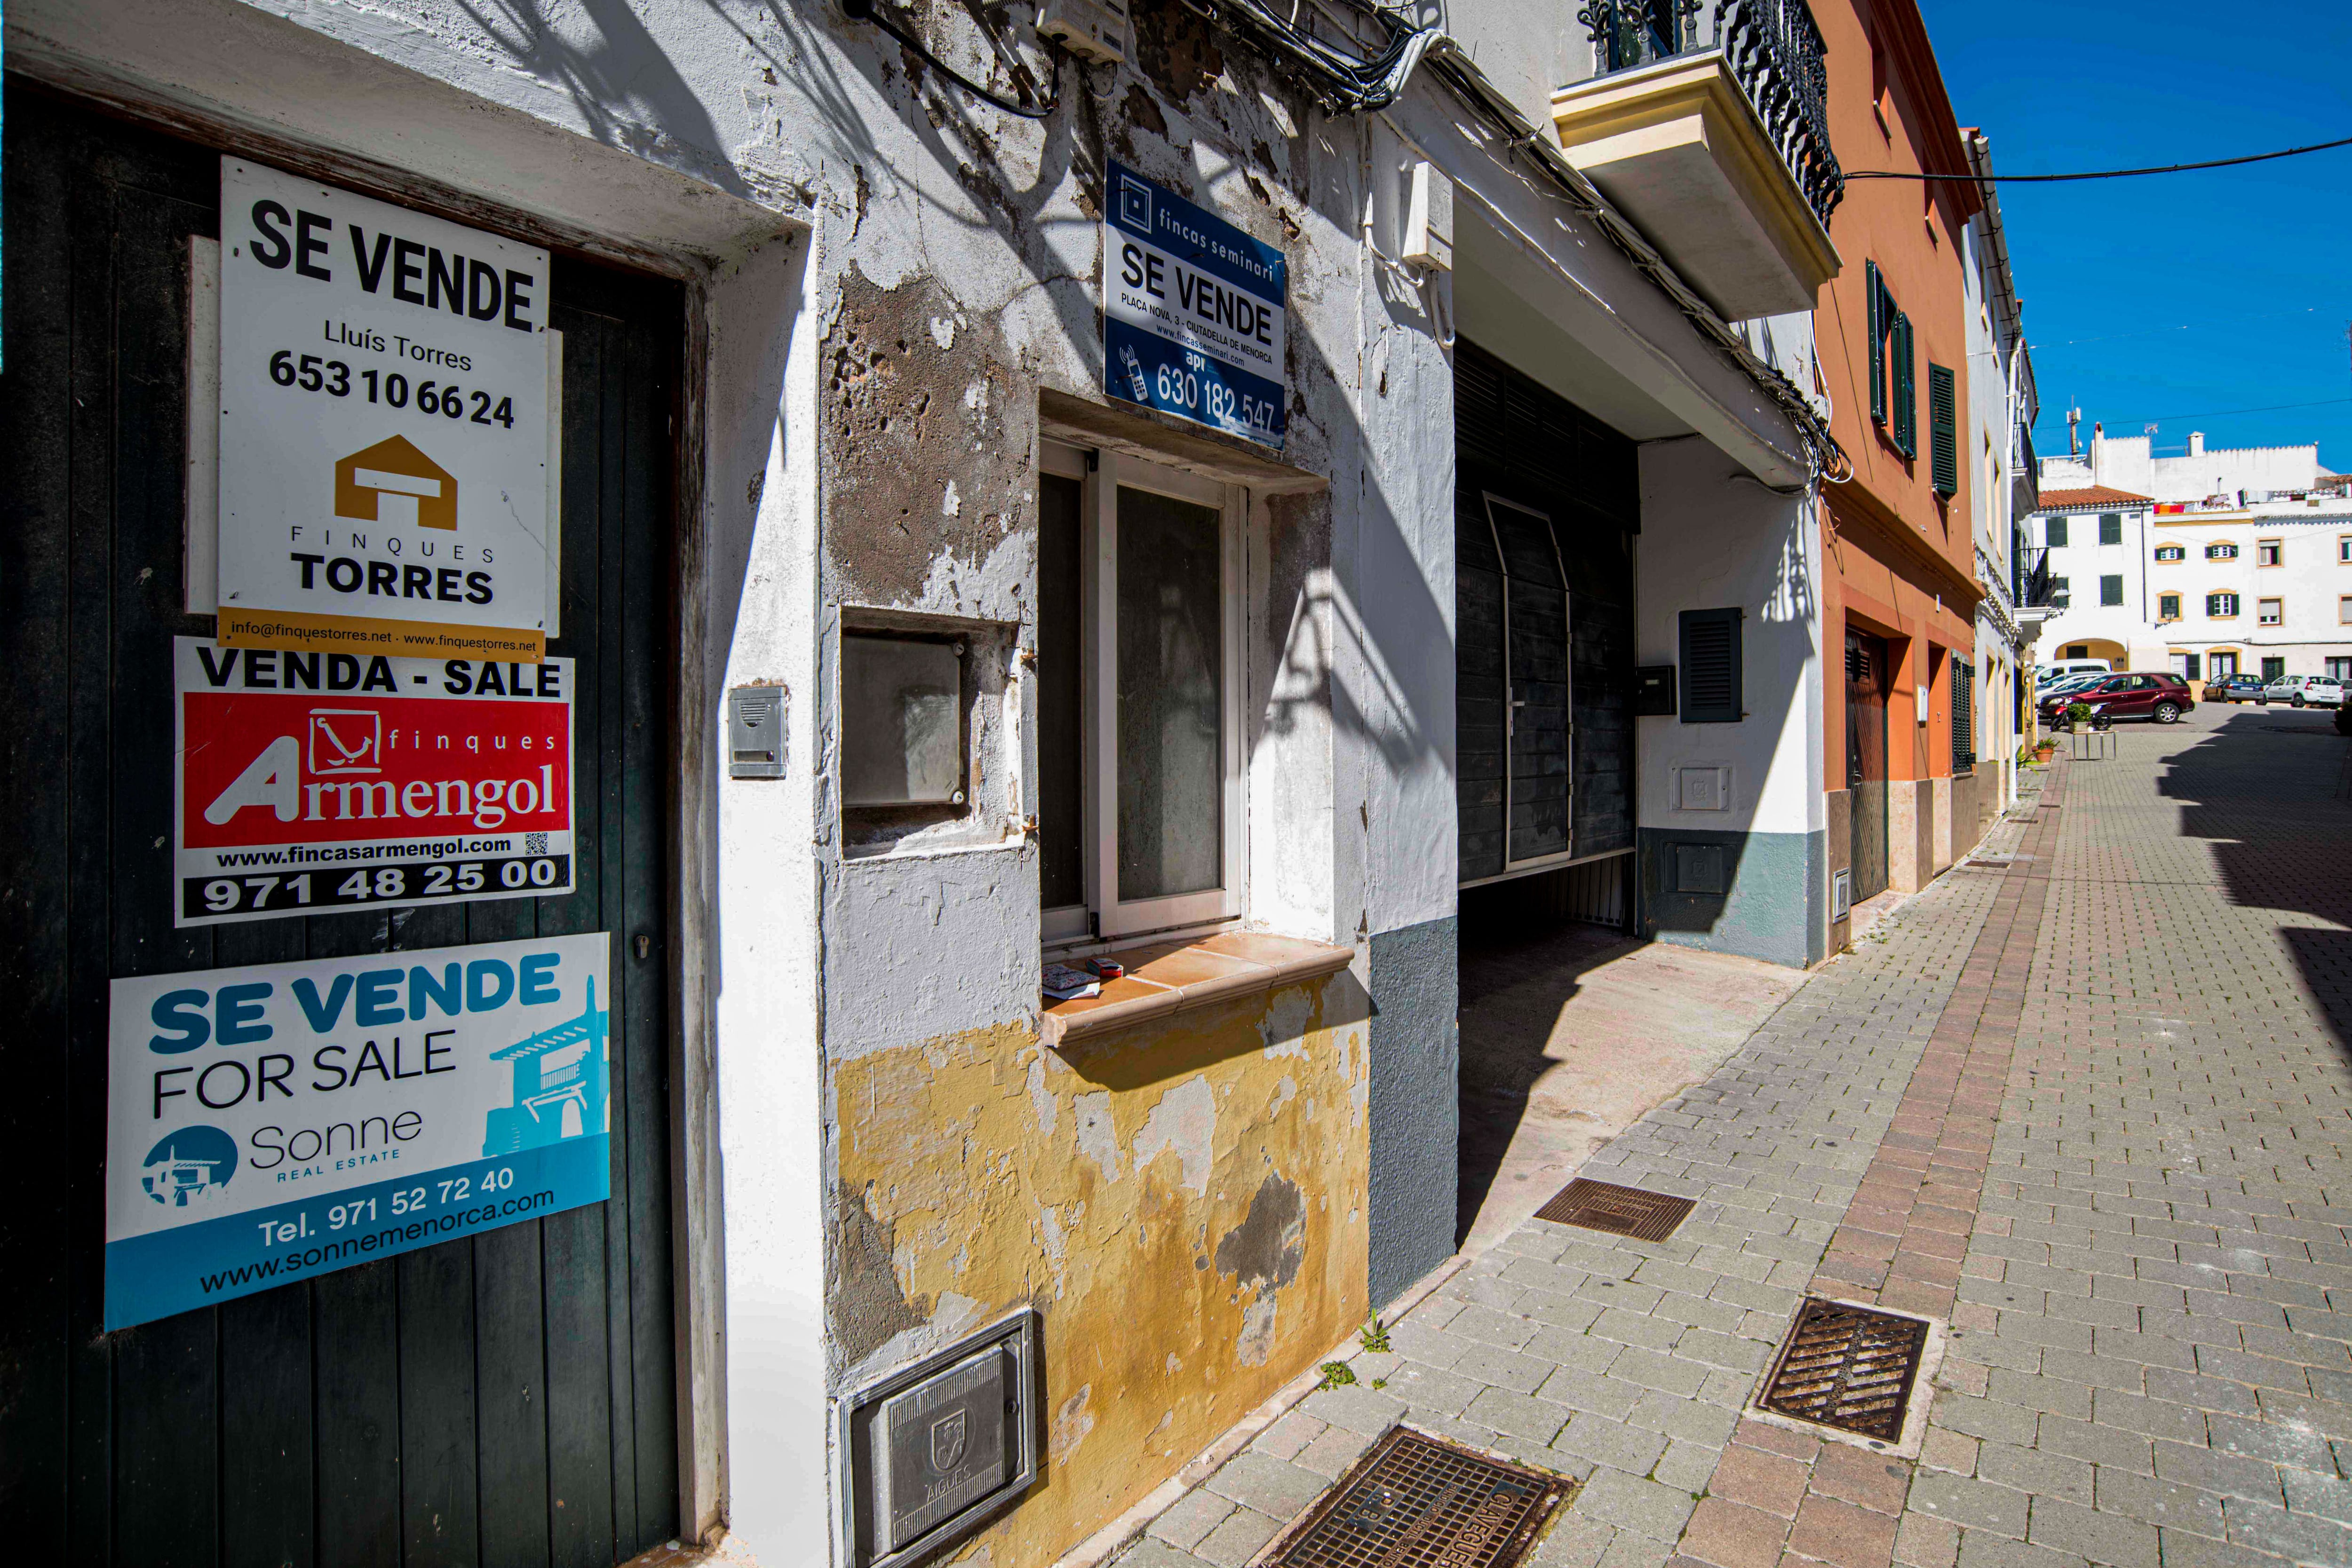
column 1165, row 979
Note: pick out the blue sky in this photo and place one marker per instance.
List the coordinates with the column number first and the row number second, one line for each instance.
column 2255, row 262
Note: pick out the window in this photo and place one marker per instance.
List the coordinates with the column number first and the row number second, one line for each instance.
column 1942, row 432
column 1964, row 716
column 2060, row 594
column 1711, row 666
column 2111, row 590
column 2344, row 547
column 2221, row 552
column 2222, row 605
column 2222, row 664
column 1892, row 395
column 2170, row 553
column 2111, row 527
column 1140, row 786
column 2270, row 612
column 2341, row 668
column 2079, row 651
column 2168, row 607
column 2185, row 665
column 2344, row 610
column 2269, row 552
column 2274, row 669
column 2054, row 532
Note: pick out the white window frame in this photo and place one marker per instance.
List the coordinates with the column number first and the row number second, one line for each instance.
column 2276, row 546
column 1105, row 915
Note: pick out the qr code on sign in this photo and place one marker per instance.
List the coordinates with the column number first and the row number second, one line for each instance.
column 534, row 844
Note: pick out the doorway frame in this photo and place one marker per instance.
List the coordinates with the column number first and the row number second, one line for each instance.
column 697, row 1259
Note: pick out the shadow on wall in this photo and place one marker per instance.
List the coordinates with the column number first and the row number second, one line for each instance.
column 1715, row 879
column 2269, row 791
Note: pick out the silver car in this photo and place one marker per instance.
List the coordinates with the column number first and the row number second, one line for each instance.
column 2305, row 691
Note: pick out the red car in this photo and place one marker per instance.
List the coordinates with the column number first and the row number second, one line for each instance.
column 2160, row 697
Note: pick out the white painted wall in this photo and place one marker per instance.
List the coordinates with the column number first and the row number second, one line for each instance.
column 2127, row 462
column 1712, row 537
column 762, row 599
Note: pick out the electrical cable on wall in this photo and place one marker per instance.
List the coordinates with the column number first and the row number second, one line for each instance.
column 1346, row 83
column 868, row 10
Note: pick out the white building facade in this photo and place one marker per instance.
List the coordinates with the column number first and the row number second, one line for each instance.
column 2003, row 402
column 2216, row 562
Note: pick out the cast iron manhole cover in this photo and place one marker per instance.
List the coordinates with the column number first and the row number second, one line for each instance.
column 1416, row 1502
column 1848, row 1367
column 1620, row 1210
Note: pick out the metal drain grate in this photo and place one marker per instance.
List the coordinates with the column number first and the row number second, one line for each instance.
column 1416, row 1502
column 1620, row 1210
column 1848, row 1367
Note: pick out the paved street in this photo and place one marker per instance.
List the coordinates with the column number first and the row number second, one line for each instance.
column 2087, row 1109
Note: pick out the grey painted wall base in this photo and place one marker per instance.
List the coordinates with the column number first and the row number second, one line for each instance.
column 1760, row 894
column 1415, row 1117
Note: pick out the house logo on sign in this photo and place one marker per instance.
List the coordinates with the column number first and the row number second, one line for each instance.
column 392, row 482
column 1134, row 202
column 346, row 740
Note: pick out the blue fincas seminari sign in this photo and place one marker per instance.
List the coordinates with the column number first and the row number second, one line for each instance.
column 1193, row 312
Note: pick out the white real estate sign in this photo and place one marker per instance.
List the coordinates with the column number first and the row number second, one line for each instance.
column 384, row 406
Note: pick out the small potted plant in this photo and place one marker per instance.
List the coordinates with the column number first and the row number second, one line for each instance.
column 2042, row 750
column 2077, row 714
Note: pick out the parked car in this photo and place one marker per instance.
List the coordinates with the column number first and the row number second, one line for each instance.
column 2305, row 691
column 2063, row 684
column 2235, row 689
column 2065, row 667
column 2162, row 698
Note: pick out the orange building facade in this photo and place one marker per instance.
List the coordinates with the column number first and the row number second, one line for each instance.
column 1900, row 588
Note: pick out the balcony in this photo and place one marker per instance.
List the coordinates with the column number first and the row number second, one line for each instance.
column 1707, row 125
column 2036, row 589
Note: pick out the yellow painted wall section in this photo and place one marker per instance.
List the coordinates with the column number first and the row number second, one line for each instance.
column 1183, row 1204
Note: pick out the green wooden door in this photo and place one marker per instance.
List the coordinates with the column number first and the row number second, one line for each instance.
column 505, row 1399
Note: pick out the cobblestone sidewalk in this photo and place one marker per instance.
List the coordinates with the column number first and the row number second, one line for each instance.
column 2088, row 1110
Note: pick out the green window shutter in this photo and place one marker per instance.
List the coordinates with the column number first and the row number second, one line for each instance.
column 1907, row 392
column 1943, row 431
column 2054, row 533
column 1710, row 666
column 1878, row 346
column 2111, row 527
column 2111, row 590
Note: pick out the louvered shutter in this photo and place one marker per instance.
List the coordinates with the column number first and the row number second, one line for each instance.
column 1942, row 432
column 1907, row 391
column 1878, row 346
column 1964, row 716
column 1710, row 666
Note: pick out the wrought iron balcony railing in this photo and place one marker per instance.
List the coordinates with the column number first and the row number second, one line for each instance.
column 2036, row 589
column 1775, row 53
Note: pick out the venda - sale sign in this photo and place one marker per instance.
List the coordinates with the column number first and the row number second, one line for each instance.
column 316, row 781
column 268, row 1124
column 1192, row 312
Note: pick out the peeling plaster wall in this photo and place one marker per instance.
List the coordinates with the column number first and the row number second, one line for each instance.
column 900, row 1157
column 1184, row 1204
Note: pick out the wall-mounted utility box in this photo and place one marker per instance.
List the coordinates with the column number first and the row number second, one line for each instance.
column 1093, row 30
column 1653, row 690
column 755, row 732
column 1429, row 220
column 934, row 1449
column 1705, row 786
